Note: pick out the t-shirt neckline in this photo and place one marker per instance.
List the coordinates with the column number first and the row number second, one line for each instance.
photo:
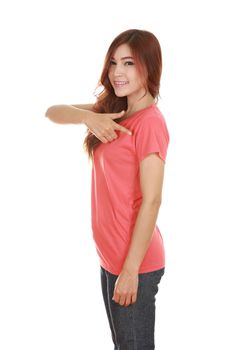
column 139, row 111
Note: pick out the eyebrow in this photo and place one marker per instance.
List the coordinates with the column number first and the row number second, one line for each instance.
column 123, row 58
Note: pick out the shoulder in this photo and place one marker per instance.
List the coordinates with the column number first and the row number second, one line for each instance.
column 154, row 114
column 154, row 120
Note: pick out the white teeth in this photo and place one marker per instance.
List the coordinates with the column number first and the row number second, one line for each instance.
column 121, row 83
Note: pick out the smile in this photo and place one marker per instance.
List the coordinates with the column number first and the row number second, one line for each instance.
column 120, row 83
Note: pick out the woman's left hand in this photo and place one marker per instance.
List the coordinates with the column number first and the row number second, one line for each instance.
column 126, row 287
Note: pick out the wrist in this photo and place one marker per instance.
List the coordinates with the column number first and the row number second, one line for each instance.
column 130, row 269
column 86, row 117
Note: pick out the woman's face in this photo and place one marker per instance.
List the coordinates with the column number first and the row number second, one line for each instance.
column 123, row 74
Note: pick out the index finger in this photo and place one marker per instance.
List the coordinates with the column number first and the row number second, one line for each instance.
column 123, row 129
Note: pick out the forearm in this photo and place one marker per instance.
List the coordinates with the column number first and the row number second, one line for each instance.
column 88, row 106
column 141, row 236
column 67, row 114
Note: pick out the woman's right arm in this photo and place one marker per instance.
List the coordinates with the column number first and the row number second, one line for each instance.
column 101, row 125
column 67, row 114
column 88, row 106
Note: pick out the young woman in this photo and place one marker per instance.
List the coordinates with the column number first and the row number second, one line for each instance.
column 127, row 180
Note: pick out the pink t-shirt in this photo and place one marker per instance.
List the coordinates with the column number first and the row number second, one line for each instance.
column 116, row 196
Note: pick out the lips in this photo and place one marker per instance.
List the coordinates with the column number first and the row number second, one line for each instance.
column 120, row 83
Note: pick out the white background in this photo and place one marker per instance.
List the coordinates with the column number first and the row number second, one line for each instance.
column 52, row 52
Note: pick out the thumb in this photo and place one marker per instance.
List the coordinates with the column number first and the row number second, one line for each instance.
column 121, row 113
column 117, row 115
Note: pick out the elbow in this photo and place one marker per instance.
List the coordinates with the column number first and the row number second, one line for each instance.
column 52, row 114
column 48, row 112
column 57, row 114
column 155, row 202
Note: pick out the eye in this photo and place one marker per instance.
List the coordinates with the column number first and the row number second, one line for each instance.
column 130, row 63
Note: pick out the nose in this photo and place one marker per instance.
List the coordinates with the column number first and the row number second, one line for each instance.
column 118, row 70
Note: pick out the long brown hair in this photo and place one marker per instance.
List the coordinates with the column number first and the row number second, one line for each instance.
column 147, row 54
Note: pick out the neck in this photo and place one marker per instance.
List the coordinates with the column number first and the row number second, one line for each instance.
column 133, row 107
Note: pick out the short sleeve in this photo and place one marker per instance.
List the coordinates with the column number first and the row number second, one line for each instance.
column 152, row 136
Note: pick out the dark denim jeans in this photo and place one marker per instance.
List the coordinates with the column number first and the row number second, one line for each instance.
column 132, row 327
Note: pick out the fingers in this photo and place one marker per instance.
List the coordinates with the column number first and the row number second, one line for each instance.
column 122, row 129
column 106, row 138
column 113, row 135
column 104, row 128
column 124, row 299
column 134, row 298
column 118, row 126
column 128, row 300
column 110, row 137
column 106, row 135
column 117, row 115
